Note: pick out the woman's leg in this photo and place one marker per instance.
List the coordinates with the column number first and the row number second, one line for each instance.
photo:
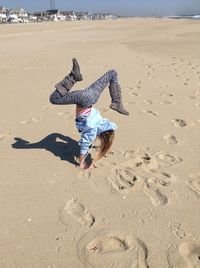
column 85, row 97
column 72, row 97
column 89, row 96
column 100, row 84
column 61, row 95
column 68, row 81
column 93, row 92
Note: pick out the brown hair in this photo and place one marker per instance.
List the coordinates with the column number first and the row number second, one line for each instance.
column 106, row 139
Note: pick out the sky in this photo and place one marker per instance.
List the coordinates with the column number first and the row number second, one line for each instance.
column 120, row 7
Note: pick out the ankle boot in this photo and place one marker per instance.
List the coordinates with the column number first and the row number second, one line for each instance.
column 65, row 85
column 116, row 97
column 76, row 71
column 68, row 81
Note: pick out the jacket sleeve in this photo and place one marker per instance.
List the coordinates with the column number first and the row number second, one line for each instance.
column 86, row 140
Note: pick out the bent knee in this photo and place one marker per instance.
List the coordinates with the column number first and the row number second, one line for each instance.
column 114, row 72
column 113, row 76
column 52, row 99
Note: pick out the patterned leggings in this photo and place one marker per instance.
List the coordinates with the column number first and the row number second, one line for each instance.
column 86, row 97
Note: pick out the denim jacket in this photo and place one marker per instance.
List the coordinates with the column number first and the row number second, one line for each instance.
column 90, row 126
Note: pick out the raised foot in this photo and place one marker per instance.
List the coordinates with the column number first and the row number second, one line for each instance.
column 76, row 70
column 119, row 108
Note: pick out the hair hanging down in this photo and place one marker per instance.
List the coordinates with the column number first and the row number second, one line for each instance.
column 106, row 139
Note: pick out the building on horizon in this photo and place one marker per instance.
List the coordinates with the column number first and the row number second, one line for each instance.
column 20, row 15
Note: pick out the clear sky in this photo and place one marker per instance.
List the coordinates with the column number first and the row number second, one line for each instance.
column 120, row 7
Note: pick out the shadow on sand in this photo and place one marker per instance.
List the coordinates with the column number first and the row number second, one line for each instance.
column 62, row 146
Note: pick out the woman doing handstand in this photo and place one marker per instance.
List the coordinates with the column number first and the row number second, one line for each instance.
column 88, row 119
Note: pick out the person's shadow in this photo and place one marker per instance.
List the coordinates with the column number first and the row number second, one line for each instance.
column 62, row 146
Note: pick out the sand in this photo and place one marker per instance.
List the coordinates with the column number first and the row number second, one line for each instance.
column 138, row 207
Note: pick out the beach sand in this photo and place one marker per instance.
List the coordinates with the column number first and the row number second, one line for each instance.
column 138, row 207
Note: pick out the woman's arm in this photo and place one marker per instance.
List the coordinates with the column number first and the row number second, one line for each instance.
column 85, row 143
column 82, row 162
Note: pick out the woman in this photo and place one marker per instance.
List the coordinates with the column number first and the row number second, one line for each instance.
column 91, row 126
column 88, row 120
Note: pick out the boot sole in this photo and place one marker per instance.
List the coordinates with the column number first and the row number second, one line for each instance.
column 124, row 113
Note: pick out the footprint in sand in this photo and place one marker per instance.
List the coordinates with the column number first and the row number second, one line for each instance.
column 177, row 230
column 25, row 122
column 141, row 159
column 129, row 154
column 179, row 123
column 138, row 82
column 148, row 102
column 165, row 102
column 107, row 244
column 123, row 179
column 190, row 251
column 151, row 165
column 150, row 75
column 167, row 159
column 166, row 94
column 170, row 139
column 134, row 94
column 150, row 112
column 112, row 244
column 151, row 215
column 155, row 196
column 184, row 84
column 147, row 73
column 148, row 168
column 191, row 97
column 31, row 120
column 163, row 179
column 172, row 63
column 78, row 211
column 194, row 184
column 112, row 249
column 137, row 87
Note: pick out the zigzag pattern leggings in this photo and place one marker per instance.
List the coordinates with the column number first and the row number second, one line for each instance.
column 85, row 97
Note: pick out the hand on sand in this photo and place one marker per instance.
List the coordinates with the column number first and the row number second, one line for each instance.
column 85, row 165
